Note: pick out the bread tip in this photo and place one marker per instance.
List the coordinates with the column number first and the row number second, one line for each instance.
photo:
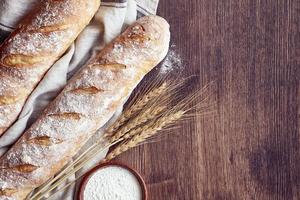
column 159, row 20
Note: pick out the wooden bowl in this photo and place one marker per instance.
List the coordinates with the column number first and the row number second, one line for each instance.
column 89, row 174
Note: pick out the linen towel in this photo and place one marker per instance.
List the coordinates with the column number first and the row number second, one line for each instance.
column 112, row 17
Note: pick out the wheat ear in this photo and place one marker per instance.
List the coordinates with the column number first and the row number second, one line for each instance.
column 136, row 107
column 148, row 115
column 146, row 132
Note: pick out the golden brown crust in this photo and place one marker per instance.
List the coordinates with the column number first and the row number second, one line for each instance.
column 41, row 38
column 8, row 99
column 87, row 90
column 44, row 141
column 66, row 116
column 24, row 168
column 7, row 192
column 21, row 60
column 87, row 102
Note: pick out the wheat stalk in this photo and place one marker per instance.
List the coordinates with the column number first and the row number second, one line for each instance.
column 122, row 134
column 132, row 128
column 127, row 114
column 134, row 137
column 149, row 131
column 43, row 191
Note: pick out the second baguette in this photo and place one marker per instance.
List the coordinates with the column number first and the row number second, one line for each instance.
column 88, row 101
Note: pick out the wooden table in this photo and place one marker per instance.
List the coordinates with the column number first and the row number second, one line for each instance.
column 249, row 148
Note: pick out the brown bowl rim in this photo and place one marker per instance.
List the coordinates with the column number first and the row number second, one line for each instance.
column 88, row 175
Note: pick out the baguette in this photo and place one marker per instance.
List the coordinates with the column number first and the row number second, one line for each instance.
column 40, row 39
column 88, row 101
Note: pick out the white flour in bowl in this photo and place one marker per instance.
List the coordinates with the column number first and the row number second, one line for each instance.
column 113, row 183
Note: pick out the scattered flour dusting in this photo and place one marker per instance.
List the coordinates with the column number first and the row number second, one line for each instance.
column 172, row 62
column 113, row 183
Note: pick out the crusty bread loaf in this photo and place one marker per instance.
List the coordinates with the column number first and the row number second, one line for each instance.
column 27, row 54
column 88, row 101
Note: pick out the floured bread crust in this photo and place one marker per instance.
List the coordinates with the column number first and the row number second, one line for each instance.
column 88, row 101
column 34, row 46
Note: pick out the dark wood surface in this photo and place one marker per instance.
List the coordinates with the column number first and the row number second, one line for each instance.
column 248, row 149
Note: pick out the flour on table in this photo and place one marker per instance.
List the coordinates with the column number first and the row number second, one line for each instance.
column 171, row 62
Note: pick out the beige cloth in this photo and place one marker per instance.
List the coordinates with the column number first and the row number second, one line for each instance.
column 113, row 16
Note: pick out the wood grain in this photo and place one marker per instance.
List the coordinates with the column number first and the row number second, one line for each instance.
column 249, row 149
